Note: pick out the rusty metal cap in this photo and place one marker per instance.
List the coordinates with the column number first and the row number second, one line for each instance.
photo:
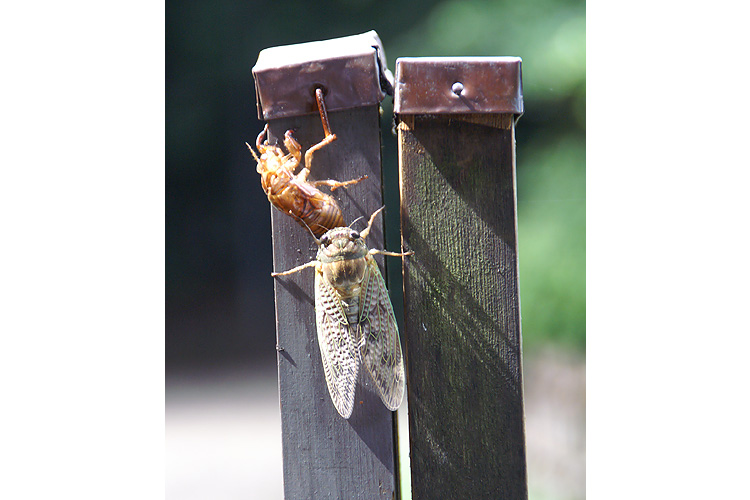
column 458, row 85
column 352, row 71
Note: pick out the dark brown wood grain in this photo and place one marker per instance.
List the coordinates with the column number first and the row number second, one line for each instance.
column 462, row 320
column 326, row 456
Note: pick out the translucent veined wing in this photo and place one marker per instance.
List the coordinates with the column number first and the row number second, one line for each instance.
column 338, row 347
column 378, row 343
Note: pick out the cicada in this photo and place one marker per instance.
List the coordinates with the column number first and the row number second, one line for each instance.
column 292, row 193
column 355, row 318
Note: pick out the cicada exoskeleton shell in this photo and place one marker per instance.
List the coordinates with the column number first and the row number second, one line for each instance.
column 293, row 193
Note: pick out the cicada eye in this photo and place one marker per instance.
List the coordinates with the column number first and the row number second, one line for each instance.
column 355, row 235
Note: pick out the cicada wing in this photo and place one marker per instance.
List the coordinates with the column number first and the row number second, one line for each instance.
column 379, row 343
column 338, row 348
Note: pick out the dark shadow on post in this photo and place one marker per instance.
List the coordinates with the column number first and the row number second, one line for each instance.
column 369, row 413
column 468, row 157
column 294, row 289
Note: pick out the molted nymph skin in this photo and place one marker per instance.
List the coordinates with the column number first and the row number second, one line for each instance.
column 292, row 193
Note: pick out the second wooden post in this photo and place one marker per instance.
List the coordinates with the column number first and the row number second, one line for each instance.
column 462, row 319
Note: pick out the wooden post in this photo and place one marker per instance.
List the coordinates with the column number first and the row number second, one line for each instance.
column 462, row 319
column 326, row 456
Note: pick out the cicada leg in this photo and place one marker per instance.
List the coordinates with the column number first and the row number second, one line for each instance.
column 296, row 269
column 334, row 185
column 308, row 154
column 323, row 111
column 364, row 233
column 259, row 141
column 374, row 251
column 391, row 254
column 329, row 136
column 294, row 147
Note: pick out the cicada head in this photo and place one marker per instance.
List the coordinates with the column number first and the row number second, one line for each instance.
column 341, row 243
column 268, row 156
column 341, row 252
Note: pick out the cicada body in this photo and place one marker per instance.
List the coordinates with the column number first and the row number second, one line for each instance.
column 355, row 319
